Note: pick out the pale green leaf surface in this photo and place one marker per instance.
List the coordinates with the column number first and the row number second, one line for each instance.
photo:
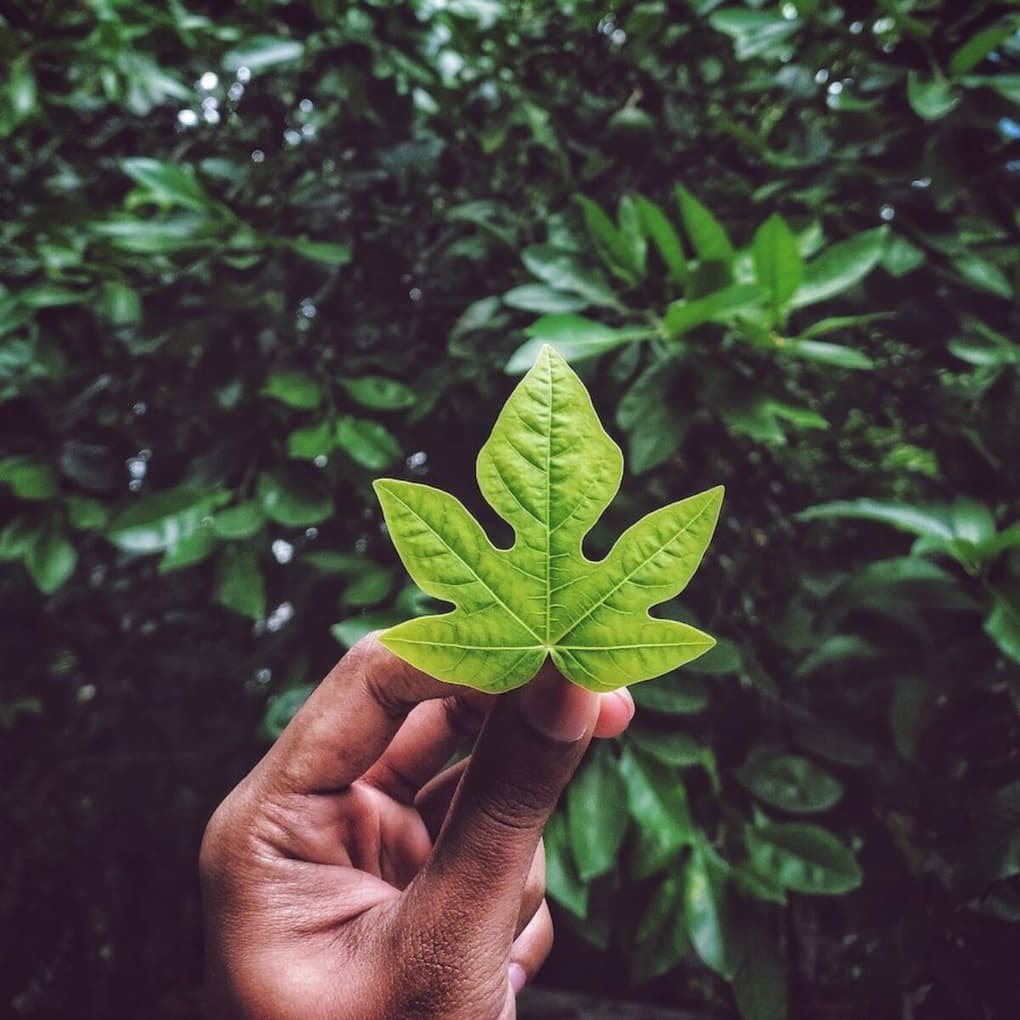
column 549, row 470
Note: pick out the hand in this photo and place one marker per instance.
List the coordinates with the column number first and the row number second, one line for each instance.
column 344, row 879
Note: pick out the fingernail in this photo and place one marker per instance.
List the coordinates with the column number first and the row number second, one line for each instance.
column 518, row 979
column 624, row 696
column 560, row 710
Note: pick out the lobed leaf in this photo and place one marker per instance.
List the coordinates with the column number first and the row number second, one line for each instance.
column 549, row 470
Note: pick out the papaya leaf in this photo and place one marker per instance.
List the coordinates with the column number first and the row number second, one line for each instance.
column 549, row 470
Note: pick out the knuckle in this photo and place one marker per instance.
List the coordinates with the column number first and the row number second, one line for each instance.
column 512, row 806
column 463, row 716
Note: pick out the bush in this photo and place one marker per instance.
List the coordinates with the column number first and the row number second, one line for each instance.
column 258, row 260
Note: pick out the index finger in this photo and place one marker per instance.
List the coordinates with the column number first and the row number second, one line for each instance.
column 349, row 720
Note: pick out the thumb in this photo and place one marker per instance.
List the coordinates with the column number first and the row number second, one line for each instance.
column 532, row 742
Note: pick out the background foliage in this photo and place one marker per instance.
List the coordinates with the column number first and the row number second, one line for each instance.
column 253, row 261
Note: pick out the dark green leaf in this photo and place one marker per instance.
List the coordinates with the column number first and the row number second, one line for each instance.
column 804, row 858
column 293, row 500
column 840, row 267
column 264, row 51
column 50, row 559
column 563, row 272
column 829, row 354
column 240, row 585
column 326, row 252
column 596, row 813
column 28, row 479
column 366, row 442
column 562, row 880
column 930, row 99
column 295, row 389
column 790, row 783
column 379, row 393
column 707, row 910
column 158, row 522
column 676, row 694
column 370, row 586
column 242, row 521
column 658, row 805
column 660, row 232
column 979, row 45
column 192, row 549
column 544, row 300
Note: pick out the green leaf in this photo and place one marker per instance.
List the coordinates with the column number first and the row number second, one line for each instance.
column 902, row 257
column 658, row 805
column 242, row 521
column 632, row 235
column 804, row 858
column 790, row 783
column 191, row 549
column 326, row 252
column 707, row 908
column 240, row 585
column 754, row 33
column 549, row 470
column 778, row 265
column 167, row 184
column 979, row 45
column 17, row 537
column 616, row 247
column 562, row 881
column 1003, row 625
column 680, row 694
column 983, row 274
column 28, row 479
column 839, row 322
column 596, row 813
column 828, row 354
column 721, row 306
column 668, row 746
column 50, row 559
column 350, row 631
column 918, row 520
column 293, row 500
column 295, row 389
column 660, row 232
column 647, row 414
column 544, row 300
column 367, row 442
column 760, row 980
column 661, row 941
column 157, row 522
column 379, row 393
column 85, row 514
column 563, row 272
column 370, row 586
column 840, row 267
column 932, row 99
column 263, row 51
column 119, row 304
column 709, row 238
column 574, row 338
column 312, row 441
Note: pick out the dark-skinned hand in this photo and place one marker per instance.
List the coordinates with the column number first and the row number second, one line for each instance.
column 350, row 877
